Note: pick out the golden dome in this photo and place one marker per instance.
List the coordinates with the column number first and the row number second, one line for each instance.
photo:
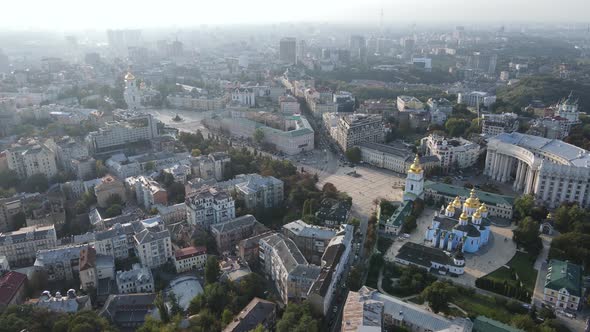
column 472, row 201
column 415, row 167
column 483, row 208
column 450, row 208
column 476, row 215
column 457, row 202
column 129, row 77
column 549, row 215
column 463, row 216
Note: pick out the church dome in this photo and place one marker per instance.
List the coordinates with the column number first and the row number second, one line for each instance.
column 463, row 216
column 483, row 208
column 450, row 208
column 415, row 167
column 457, row 203
column 129, row 77
column 472, row 201
column 477, row 214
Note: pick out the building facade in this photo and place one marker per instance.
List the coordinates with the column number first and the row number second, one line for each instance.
column 31, row 156
column 354, row 129
column 563, row 285
column 190, row 258
column 20, row 247
column 551, row 170
column 208, row 206
column 453, row 153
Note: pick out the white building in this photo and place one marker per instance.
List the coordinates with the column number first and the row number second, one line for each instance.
column 116, row 241
column 31, row 156
column 289, row 105
column 567, row 108
column 190, row 258
column 137, row 280
column 475, row 98
column 128, row 127
column 354, row 129
column 153, row 244
column 131, row 94
column 20, row 247
column 440, row 104
column 257, row 191
column 551, row 170
column 60, row 263
column 409, row 103
column 244, row 97
column 171, row 214
column 414, row 181
column 452, row 152
column 208, row 206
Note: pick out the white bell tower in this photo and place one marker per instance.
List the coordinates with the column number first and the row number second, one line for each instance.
column 131, row 94
column 414, row 181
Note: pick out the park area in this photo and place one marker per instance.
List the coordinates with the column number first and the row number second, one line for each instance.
column 516, row 279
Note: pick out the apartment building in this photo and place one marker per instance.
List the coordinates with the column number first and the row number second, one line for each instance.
column 31, row 156
column 117, row 241
column 137, row 280
column 207, row 206
column 20, row 247
column 228, row 234
column 60, row 263
column 310, row 239
column 153, row 244
column 109, row 186
column 452, row 152
column 495, row 124
column 354, row 129
column 128, row 127
column 8, row 208
column 190, row 258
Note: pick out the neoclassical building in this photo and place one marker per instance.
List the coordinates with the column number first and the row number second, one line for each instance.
column 460, row 227
column 550, row 169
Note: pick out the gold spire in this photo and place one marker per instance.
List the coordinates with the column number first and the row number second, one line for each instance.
column 415, row 167
column 129, row 76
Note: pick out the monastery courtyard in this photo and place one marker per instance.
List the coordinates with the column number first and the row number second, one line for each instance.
column 496, row 253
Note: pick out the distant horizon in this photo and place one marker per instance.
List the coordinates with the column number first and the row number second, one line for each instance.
column 69, row 15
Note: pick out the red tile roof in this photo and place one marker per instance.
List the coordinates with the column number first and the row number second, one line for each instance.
column 87, row 258
column 10, row 284
column 188, row 252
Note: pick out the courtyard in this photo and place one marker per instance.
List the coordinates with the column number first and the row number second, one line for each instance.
column 494, row 255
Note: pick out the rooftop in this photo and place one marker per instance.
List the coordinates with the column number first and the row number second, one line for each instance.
column 190, row 252
column 256, row 312
column 484, row 196
column 423, row 255
column 564, row 275
column 300, row 228
column 10, row 284
column 239, row 222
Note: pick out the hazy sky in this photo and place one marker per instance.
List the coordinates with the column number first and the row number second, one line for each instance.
column 100, row 14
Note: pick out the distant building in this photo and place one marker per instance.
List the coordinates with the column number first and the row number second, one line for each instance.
column 409, row 103
column 137, row 280
column 453, row 152
column 257, row 312
column 494, row 124
column 475, row 98
column 12, row 289
column 289, row 105
column 208, row 206
column 258, row 191
column 9, row 207
column 228, row 234
column 149, row 192
column 440, row 104
column 567, row 108
column 563, row 285
column 288, row 50
column 550, row 127
column 94, row 267
column 394, row 157
column 127, row 128
column 116, row 241
column 189, row 258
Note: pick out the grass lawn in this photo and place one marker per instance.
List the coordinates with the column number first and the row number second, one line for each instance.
column 522, row 263
column 477, row 304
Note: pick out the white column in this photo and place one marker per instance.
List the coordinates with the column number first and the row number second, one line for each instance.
column 564, row 190
column 517, row 175
column 582, row 192
column 529, row 182
column 486, row 169
column 503, row 165
column 496, row 165
column 523, row 173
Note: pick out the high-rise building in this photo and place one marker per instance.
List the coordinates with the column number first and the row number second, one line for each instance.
column 288, row 50
column 358, row 48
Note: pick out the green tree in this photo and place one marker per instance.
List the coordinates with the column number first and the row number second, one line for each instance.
column 101, row 169
column 258, row 135
column 527, row 232
column 523, row 205
column 113, row 211
column 524, row 322
column 195, row 152
column 8, row 179
column 353, row 154
column 162, row 309
column 211, row 269
column 226, row 317
column 18, row 221
column 36, row 183
column 149, row 166
column 438, row 295
column 457, row 127
column 175, row 308
column 297, row 317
